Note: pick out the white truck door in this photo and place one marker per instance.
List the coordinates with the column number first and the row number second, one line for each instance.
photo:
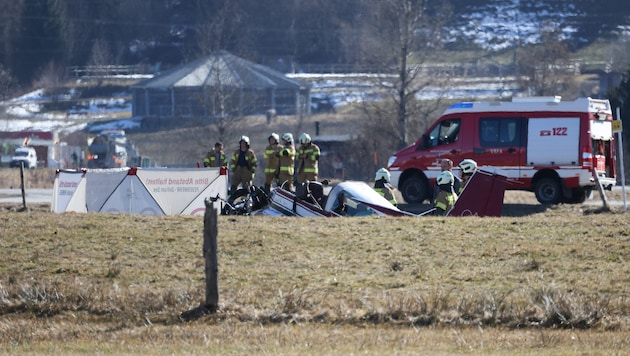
column 553, row 141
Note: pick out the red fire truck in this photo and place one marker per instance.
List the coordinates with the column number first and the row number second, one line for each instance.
column 542, row 144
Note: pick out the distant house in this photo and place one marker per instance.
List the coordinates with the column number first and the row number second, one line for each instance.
column 219, row 85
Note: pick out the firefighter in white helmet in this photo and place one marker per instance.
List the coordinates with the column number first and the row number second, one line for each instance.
column 383, row 187
column 243, row 165
column 308, row 159
column 287, row 162
column 446, row 197
column 272, row 161
column 446, row 164
column 466, row 169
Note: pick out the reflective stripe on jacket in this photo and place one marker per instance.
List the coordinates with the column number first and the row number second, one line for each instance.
column 211, row 160
column 287, row 159
column 445, row 200
column 311, row 153
column 387, row 194
column 272, row 161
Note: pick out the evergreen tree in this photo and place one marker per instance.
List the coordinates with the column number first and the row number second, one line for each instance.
column 38, row 42
column 620, row 98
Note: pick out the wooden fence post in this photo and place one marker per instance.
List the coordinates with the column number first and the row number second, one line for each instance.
column 210, row 231
column 22, row 185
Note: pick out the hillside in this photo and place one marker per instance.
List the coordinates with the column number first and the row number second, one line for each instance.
column 158, row 34
column 500, row 24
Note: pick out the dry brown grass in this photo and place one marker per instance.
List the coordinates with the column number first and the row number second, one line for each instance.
column 40, row 178
column 552, row 282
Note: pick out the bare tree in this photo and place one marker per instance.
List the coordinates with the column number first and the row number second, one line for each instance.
column 618, row 54
column 52, row 78
column 222, row 28
column 399, row 36
column 545, row 68
column 219, row 97
column 7, row 83
column 219, row 104
column 396, row 40
column 101, row 54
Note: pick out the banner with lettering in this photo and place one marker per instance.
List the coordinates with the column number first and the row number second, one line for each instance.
column 150, row 191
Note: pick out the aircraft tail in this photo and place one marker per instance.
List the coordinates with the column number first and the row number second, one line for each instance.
column 483, row 195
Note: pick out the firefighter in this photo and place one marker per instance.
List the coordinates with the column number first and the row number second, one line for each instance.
column 287, row 162
column 446, row 196
column 447, row 165
column 243, row 165
column 308, row 157
column 216, row 158
column 272, row 161
column 383, row 187
column 466, row 169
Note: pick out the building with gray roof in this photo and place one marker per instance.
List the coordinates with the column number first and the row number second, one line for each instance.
column 220, row 85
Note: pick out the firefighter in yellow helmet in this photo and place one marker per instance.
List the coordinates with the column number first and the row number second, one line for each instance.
column 308, row 159
column 216, row 158
column 446, row 196
column 466, row 169
column 383, row 187
column 272, row 161
column 287, row 162
column 243, row 165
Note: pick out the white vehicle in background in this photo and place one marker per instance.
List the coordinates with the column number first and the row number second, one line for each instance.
column 26, row 155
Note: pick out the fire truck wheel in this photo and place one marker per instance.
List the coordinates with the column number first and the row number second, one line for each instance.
column 548, row 191
column 414, row 190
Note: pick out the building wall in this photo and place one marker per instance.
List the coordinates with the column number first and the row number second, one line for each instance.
column 196, row 102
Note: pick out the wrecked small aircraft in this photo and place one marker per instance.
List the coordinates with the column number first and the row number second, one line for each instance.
column 350, row 198
column 483, row 196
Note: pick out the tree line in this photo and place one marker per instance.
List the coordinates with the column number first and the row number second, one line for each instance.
column 38, row 35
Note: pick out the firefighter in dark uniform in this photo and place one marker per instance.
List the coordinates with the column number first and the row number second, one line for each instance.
column 243, row 165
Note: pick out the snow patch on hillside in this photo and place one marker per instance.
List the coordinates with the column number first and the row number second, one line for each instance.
column 502, row 25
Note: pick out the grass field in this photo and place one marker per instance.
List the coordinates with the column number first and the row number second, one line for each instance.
column 551, row 281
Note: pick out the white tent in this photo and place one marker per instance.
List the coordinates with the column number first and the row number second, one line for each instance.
column 151, row 191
